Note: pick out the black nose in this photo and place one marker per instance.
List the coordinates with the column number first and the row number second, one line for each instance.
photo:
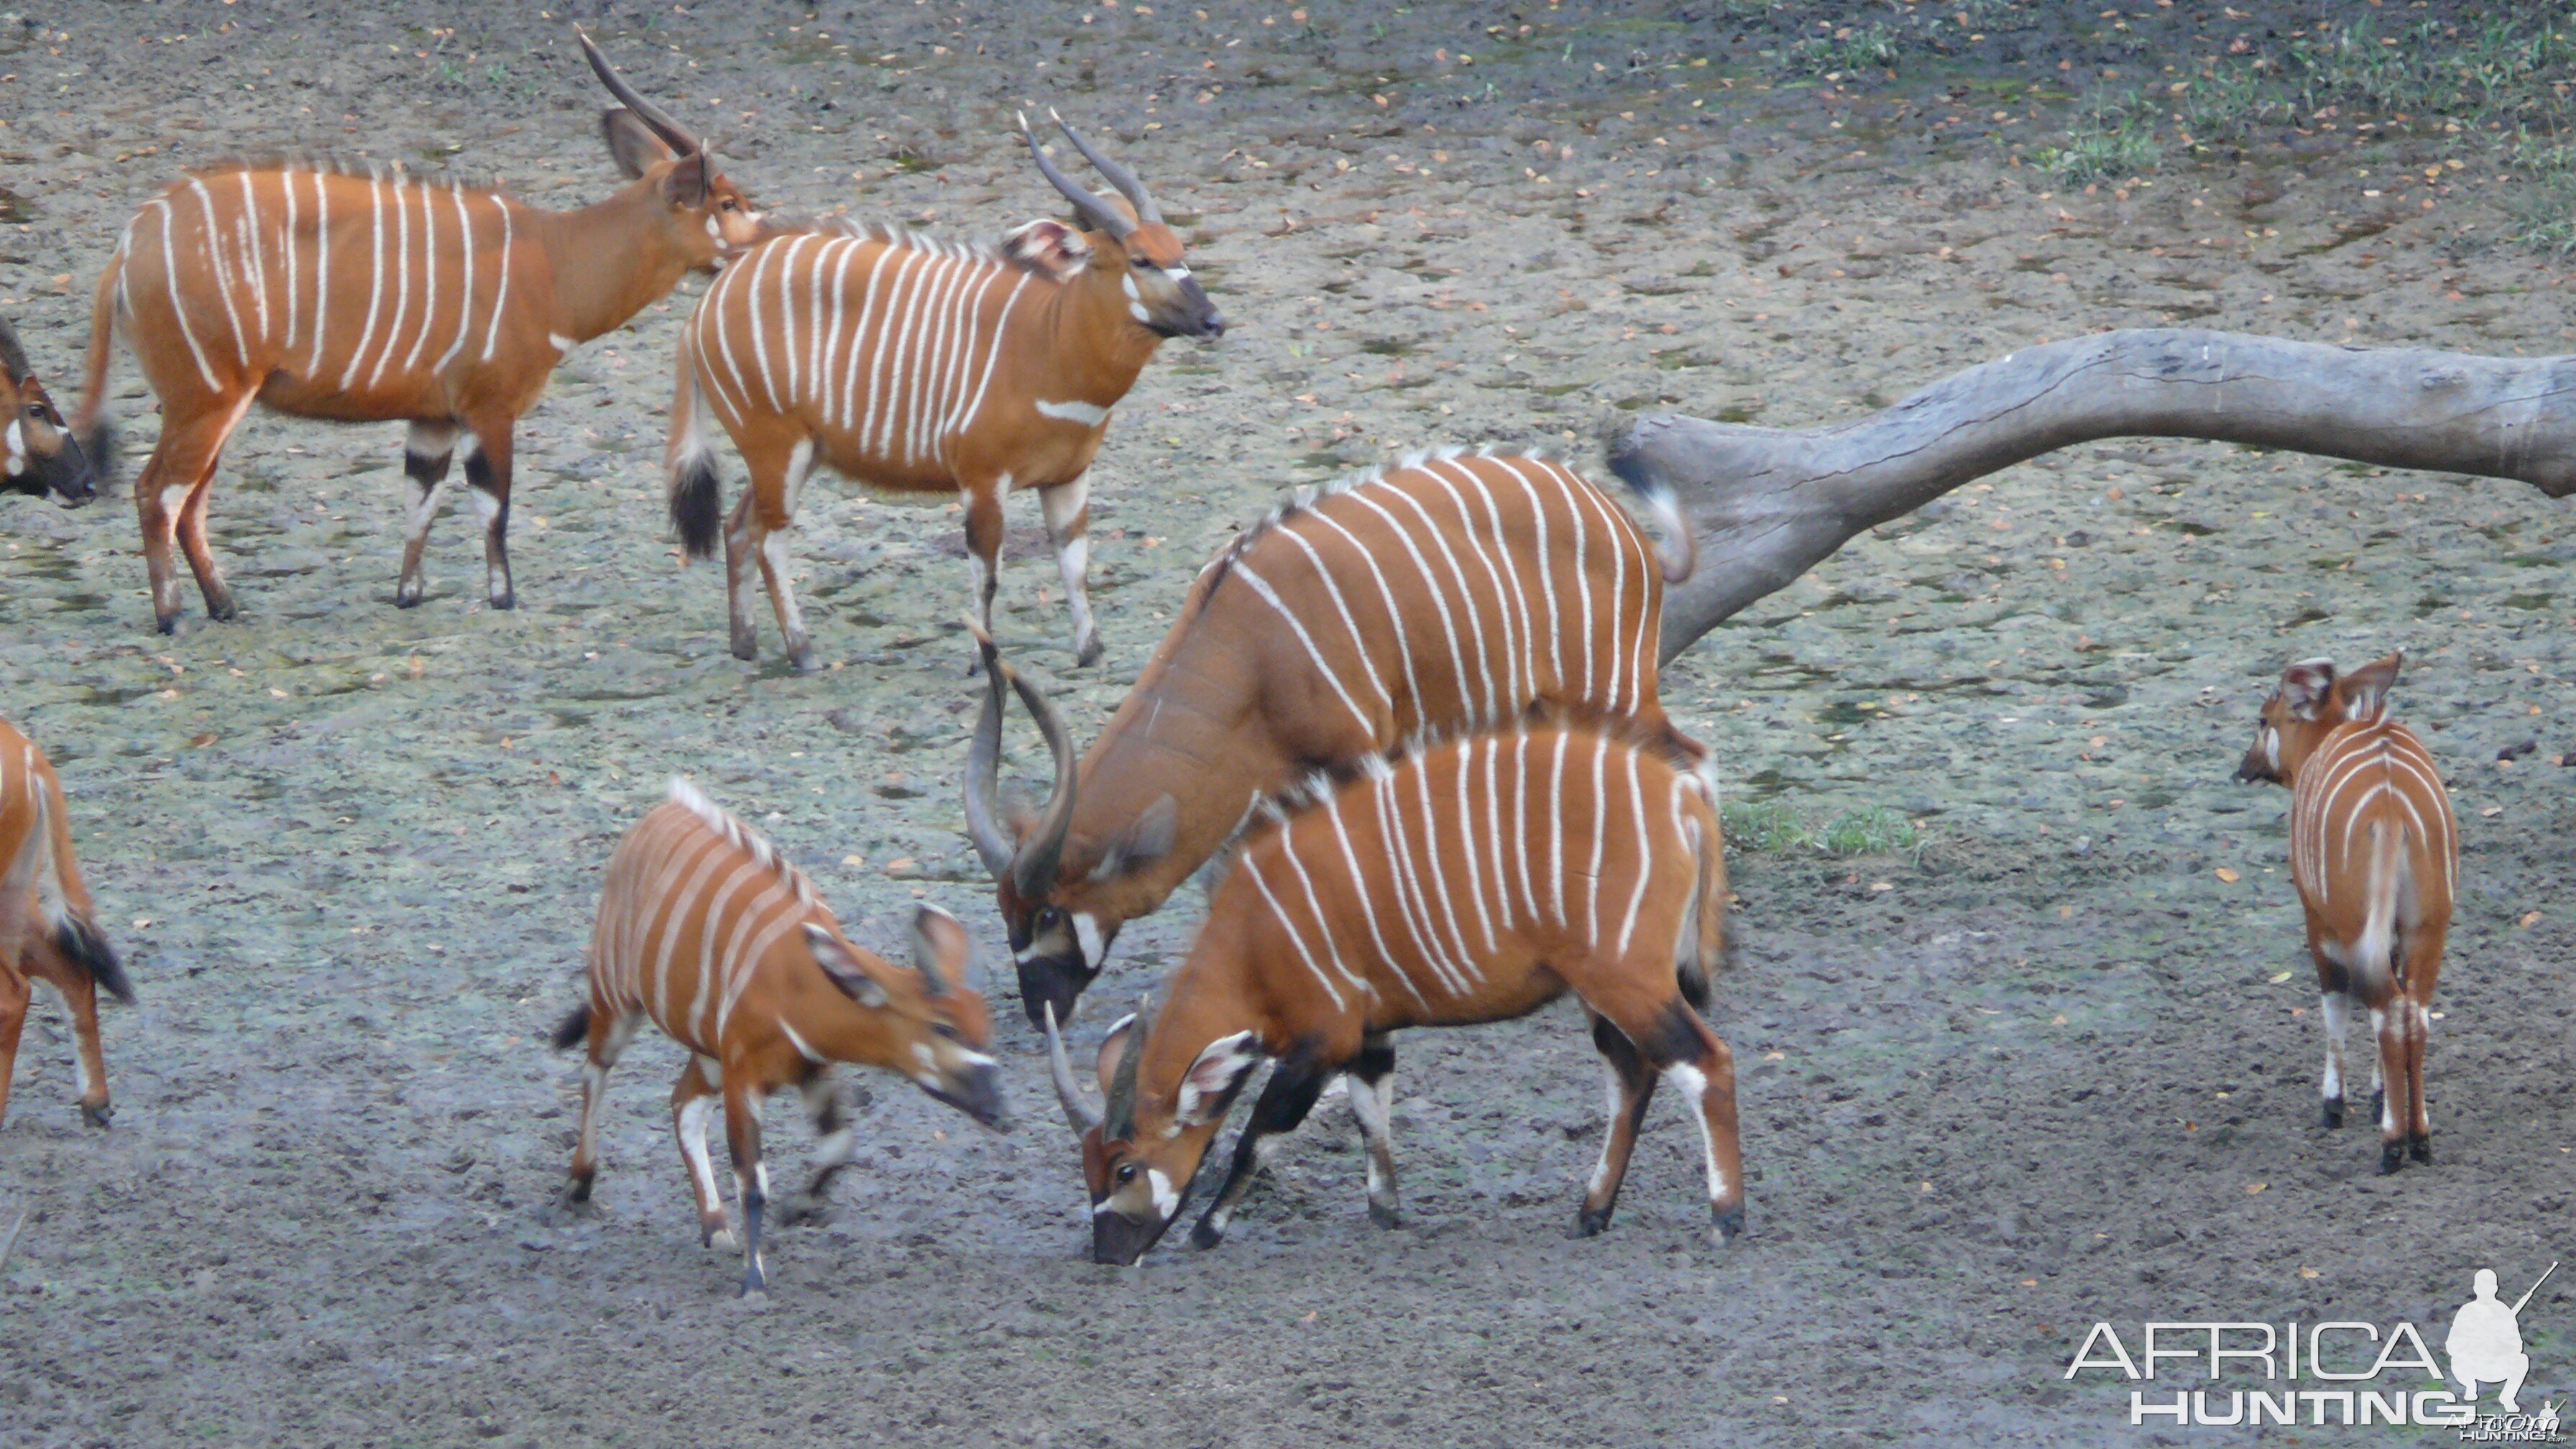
column 1053, row 980
column 1215, row 325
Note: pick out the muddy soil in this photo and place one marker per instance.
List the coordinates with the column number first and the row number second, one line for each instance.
column 2059, row 1068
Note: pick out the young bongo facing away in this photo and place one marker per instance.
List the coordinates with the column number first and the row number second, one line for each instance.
column 47, row 932
column 1473, row 883
column 706, row 929
column 2375, row 853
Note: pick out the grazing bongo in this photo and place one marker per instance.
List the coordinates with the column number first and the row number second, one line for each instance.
column 38, row 453
column 706, row 929
column 1452, row 591
column 924, row 366
column 378, row 297
column 2375, row 853
column 47, row 931
column 1472, row 883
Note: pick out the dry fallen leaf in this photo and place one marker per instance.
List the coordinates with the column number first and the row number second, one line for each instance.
column 2492, row 811
column 900, row 862
column 2280, row 977
column 2228, row 876
column 2308, row 1272
column 2254, row 1187
column 854, row 861
column 199, row 742
column 2531, row 918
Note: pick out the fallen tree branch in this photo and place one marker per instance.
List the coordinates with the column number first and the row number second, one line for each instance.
column 1766, row 504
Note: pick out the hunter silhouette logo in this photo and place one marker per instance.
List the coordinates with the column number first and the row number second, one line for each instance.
column 2485, row 1343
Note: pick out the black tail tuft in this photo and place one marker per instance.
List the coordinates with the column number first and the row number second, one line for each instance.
column 98, row 445
column 574, row 1028
column 80, row 943
column 697, row 506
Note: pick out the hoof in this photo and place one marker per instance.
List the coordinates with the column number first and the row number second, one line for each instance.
column 2392, row 1156
column 718, row 1239
column 1384, row 1215
column 754, row 1284
column 746, row 650
column 407, row 598
column 97, row 1114
column 1728, row 1225
column 166, row 623
column 223, row 613
column 1592, row 1222
column 505, row 601
column 802, row 659
column 2420, row 1147
column 1087, row 654
column 1206, row 1235
column 2331, row 1114
column 575, row 1202
column 803, row 1210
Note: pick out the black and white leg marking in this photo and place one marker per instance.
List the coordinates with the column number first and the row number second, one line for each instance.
column 1066, row 508
column 1285, row 1100
column 426, row 453
column 837, row 1139
column 1372, row 1097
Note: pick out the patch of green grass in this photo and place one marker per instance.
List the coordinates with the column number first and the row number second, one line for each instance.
column 2112, row 138
column 1773, row 827
column 1850, row 48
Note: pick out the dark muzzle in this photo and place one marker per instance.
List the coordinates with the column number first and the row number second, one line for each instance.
column 1056, row 979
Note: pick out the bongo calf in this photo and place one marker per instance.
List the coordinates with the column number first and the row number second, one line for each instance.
column 2375, row 852
column 47, row 930
column 706, row 929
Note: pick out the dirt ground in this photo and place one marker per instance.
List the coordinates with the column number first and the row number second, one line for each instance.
column 2058, row 1069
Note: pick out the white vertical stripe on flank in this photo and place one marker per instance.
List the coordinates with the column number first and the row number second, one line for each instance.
column 1360, row 881
column 908, row 265
column 1422, row 569
column 1546, row 569
column 1368, row 666
column 743, row 951
column 376, row 289
column 788, row 277
column 719, row 913
column 1408, row 890
column 465, row 288
column 1252, row 869
column 286, row 188
column 709, row 856
column 1262, row 588
column 1520, row 816
column 1600, row 817
column 428, row 277
column 1645, row 852
column 944, row 387
column 1502, row 606
column 930, row 349
column 814, row 326
column 254, row 252
column 1620, row 539
column 972, row 347
column 1440, row 877
column 858, row 375
column 1394, row 618
column 1582, row 566
column 214, row 244
column 992, row 354
column 500, row 295
column 828, row 356
column 402, row 281
column 1556, row 828
column 179, row 309
column 719, row 315
column 321, row 268
column 752, row 298
column 1510, row 564
column 885, row 386
column 1467, row 602
column 1289, row 847
column 1466, row 758
column 1494, row 837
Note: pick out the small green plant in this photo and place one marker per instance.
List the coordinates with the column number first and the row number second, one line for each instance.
column 1851, row 48
column 1773, row 827
column 2111, row 138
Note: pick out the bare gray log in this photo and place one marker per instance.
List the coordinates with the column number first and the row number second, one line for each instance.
column 1766, row 504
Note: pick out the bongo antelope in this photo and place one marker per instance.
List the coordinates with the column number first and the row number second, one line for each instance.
column 365, row 298
column 1471, row 883
column 923, row 366
column 38, row 453
column 707, row 930
column 2375, row 853
column 1454, row 591
column 48, row 932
